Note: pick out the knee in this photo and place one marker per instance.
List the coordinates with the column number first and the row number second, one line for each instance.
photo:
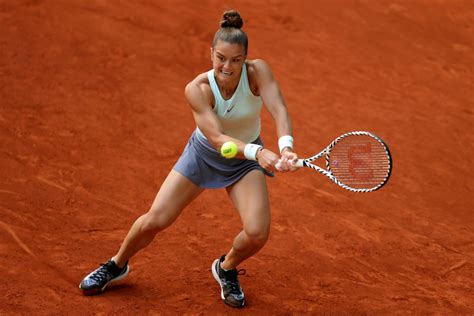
column 155, row 221
column 258, row 235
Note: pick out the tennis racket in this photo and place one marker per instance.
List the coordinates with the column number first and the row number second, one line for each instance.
column 356, row 161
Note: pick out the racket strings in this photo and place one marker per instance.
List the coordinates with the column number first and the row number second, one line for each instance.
column 359, row 162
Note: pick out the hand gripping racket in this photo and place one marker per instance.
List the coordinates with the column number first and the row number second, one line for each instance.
column 356, row 161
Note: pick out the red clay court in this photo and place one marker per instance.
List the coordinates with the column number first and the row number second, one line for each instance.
column 93, row 117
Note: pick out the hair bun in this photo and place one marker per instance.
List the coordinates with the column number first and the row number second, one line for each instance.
column 232, row 19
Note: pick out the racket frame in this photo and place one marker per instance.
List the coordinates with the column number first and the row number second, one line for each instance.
column 328, row 173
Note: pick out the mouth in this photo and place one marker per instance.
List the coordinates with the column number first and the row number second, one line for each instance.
column 225, row 73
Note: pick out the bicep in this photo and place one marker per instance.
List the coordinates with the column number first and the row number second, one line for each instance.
column 273, row 99
column 270, row 90
column 204, row 117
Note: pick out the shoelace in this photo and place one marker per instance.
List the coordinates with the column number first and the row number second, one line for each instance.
column 101, row 273
column 231, row 280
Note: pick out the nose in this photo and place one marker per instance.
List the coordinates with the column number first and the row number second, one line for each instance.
column 226, row 65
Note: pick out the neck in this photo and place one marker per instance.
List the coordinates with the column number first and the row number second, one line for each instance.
column 228, row 88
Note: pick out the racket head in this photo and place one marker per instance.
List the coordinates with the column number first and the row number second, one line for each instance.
column 359, row 161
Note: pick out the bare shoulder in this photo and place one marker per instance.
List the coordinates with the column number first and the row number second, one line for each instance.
column 258, row 71
column 200, row 84
column 199, row 90
column 257, row 67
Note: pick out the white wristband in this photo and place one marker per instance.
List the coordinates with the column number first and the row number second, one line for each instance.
column 251, row 150
column 285, row 141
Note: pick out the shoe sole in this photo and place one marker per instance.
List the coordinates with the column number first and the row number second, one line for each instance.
column 216, row 277
column 101, row 290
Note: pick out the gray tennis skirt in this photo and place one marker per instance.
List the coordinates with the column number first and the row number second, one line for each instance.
column 205, row 167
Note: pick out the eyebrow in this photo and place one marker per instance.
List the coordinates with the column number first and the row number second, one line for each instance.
column 237, row 56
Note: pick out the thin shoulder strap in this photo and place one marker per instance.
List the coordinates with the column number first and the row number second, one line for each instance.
column 245, row 82
column 213, row 84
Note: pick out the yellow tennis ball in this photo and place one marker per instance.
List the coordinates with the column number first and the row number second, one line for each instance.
column 229, row 150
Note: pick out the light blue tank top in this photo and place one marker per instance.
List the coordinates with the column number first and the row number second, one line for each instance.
column 240, row 115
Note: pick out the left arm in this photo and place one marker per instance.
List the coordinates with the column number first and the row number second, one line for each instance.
column 272, row 97
column 273, row 100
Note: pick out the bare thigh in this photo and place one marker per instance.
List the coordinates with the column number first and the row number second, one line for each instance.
column 250, row 198
column 175, row 194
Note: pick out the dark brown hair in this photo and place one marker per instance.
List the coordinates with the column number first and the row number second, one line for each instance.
column 230, row 30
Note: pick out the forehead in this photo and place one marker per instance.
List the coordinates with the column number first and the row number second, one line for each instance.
column 229, row 49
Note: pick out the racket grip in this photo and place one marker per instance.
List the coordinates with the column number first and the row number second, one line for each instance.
column 298, row 164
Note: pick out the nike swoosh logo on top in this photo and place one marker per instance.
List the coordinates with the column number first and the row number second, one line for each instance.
column 230, row 108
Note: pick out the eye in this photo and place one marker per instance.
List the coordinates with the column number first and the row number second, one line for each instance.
column 236, row 60
column 220, row 57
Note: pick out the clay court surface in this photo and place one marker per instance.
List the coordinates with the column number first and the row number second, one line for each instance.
column 93, row 117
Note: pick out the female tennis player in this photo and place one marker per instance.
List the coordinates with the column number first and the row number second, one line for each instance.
column 226, row 103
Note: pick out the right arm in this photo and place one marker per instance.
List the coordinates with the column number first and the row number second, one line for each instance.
column 199, row 97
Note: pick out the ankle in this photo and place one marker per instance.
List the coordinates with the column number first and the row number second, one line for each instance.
column 225, row 266
column 119, row 263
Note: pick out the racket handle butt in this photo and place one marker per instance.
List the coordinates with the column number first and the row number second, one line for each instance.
column 298, row 164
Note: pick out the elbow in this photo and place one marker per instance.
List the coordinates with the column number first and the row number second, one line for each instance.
column 216, row 141
column 213, row 143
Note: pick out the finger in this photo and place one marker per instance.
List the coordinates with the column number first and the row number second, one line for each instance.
column 278, row 165
column 281, row 165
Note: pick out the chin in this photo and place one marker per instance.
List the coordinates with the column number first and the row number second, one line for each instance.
column 223, row 77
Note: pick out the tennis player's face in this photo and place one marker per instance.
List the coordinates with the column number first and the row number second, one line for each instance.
column 227, row 61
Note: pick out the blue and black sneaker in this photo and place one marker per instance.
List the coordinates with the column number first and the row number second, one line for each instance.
column 231, row 292
column 96, row 281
